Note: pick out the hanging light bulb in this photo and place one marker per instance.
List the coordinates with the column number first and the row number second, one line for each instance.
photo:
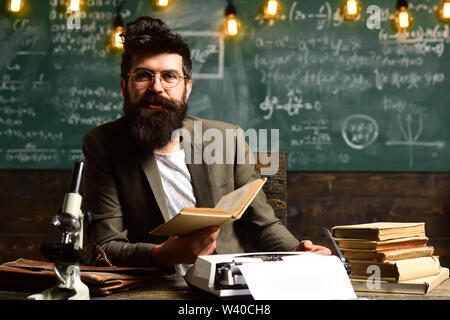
column 162, row 3
column 446, row 9
column 351, row 9
column 403, row 19
column 232, row 25
column 443, row 12
column 271, row 9
column 116, row 39
column 159, row 5
column 15, row 6
column 115, row 42
column 74, row 5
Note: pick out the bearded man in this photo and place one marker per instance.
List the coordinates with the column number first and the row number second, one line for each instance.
column 138, row 174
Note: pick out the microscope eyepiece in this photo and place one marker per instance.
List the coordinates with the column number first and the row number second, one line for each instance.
column 77, row 173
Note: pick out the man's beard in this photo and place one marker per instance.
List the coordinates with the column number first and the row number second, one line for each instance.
column 152, row 128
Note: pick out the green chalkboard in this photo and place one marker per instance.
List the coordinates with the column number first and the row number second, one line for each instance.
column 336, row 95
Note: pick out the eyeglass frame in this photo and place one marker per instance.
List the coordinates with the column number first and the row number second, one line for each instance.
column 154, row 73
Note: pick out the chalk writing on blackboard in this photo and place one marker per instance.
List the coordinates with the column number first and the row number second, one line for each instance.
column 31, row 154
column 359, row 131
column 411, row 129
column 292, row 107
column 206, row 45
column 308, row 74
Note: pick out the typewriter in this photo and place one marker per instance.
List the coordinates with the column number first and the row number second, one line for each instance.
column 220, row 274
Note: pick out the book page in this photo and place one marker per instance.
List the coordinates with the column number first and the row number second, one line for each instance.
column 229, row 208
column 381, row 245
column 380, row 225
column 206, row 211
column 231, row 201
column 238, row 200
column 186, row 223
column 379, row 230
column 414, row 268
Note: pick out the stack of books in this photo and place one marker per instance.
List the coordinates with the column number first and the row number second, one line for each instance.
column 390, row 257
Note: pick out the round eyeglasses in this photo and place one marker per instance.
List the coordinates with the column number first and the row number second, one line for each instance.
column 169, row 79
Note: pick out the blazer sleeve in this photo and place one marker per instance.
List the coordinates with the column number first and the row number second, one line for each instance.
column 259, row 223
column 100, row 196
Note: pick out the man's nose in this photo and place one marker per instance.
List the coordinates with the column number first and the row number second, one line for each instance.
column 156, row 85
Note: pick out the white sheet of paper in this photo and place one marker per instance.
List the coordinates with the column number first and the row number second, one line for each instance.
column 309, row 276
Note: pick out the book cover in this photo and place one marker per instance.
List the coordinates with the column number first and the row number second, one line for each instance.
column 379, row 231
column 416, row 286
column 229, row 208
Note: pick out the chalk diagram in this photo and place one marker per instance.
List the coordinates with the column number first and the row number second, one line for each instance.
column 359, row 131
column 411, row 136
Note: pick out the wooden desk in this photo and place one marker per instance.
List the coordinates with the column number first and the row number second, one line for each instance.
column 175, row 288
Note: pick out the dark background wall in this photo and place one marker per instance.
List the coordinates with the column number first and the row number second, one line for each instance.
column 30, row 199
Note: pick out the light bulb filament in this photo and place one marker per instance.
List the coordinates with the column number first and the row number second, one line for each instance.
column 74, row 5
column 15, row 6
column 272, row 8
column 446, row 10
column 232, row 26
column 162, row 3
column 352, row 8
column 116, row 38
column 403, row 19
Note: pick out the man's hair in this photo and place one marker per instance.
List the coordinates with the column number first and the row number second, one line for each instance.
column 151, row 35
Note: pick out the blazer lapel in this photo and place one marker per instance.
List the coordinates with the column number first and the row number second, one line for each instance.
column 150, row 167
column 198, row 169
column 201, row 184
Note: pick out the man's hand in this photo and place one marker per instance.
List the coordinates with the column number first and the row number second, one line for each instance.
column 307, row 245
column 185, row 249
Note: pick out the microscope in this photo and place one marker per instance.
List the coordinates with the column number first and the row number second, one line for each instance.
column 67, row 255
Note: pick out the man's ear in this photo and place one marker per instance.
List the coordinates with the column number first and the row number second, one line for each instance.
column 188, row 89
column 123, row 86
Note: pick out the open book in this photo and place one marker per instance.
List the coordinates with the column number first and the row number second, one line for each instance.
column 229, row 208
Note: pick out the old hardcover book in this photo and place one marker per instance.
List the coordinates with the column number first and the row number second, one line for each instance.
column 344, row 243
column 390, row 254
column 416, row 286
column 396, row 271
column 379, row 231
column 229, row 208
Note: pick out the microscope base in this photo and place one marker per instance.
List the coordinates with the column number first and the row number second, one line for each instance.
column 68, row 287
column 57, row 293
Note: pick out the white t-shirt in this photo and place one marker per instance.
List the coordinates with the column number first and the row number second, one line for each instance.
column 176, row 181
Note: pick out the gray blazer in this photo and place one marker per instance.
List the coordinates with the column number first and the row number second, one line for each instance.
column 123, row 189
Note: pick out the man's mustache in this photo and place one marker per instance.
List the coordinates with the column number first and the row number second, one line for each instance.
column 157, row 100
